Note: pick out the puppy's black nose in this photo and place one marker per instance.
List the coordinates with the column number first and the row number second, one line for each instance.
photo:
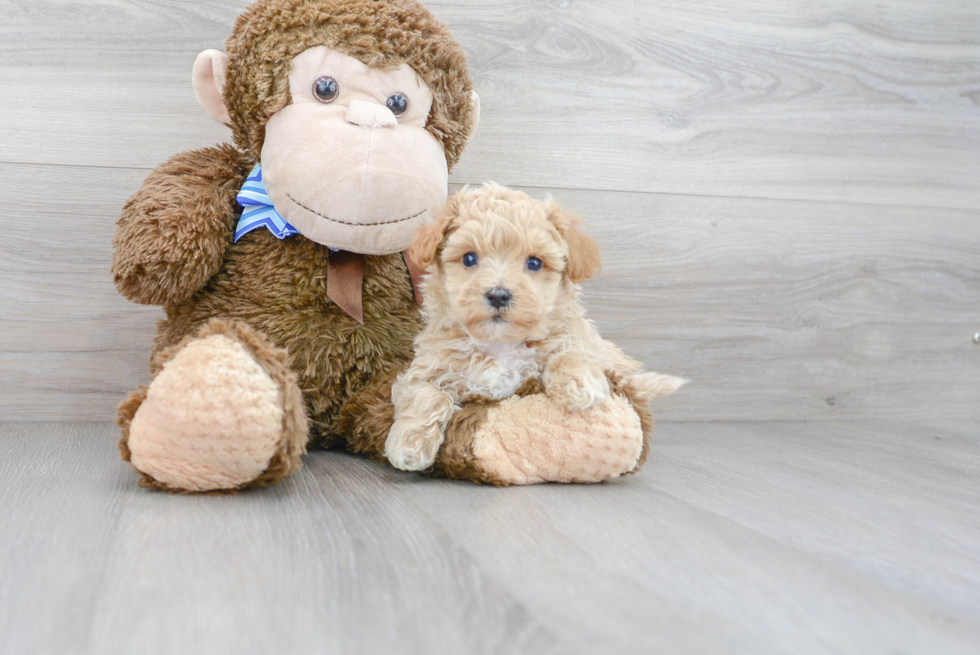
column 499, row 297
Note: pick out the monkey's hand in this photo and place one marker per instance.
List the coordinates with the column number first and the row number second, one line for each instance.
column 173, row 234
column 572, row 379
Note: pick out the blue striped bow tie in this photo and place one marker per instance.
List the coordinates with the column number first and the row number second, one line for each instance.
column 257, row 209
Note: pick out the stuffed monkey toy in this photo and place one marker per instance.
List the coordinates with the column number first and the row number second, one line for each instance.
column 278, row 260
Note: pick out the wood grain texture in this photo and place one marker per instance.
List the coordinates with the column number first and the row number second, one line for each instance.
column 736, row 538
column 327, row 563
column 786, row 196
column 828, row 101
column 775, row 309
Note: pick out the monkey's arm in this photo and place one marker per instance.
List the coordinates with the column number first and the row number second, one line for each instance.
column 173, row 234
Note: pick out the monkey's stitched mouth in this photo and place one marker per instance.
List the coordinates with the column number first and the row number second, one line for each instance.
column 334, row 220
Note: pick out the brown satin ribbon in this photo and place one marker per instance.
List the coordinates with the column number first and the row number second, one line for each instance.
column 415, row 271
column 345, row 276
column 345, row 281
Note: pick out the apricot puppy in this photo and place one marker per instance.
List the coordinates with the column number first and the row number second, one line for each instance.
column 502, row 304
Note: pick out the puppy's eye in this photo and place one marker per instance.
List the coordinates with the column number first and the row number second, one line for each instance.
column 470, row 260
column 326, row 89
column 534, row 264
column 398, row 104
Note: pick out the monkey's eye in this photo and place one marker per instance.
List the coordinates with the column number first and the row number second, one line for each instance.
column 326, row 89
column 470, row 260
column 534, row 264
column 398, row 104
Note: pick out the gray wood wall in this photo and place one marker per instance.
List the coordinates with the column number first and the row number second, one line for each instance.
column 786, row 194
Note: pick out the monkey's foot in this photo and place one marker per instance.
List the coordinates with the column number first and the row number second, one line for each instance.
column 531, row 439
column 224, row 413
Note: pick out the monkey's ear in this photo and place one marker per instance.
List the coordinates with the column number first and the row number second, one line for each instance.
column 427, row 241
column 583, row 252
column 210, row 69
column 475, row 105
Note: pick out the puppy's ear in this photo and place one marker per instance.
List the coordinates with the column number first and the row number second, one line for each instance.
column 429, row 238
column 583, row 252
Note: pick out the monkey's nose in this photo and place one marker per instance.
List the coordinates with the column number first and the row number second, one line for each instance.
column 499, row 297
column 370, row 114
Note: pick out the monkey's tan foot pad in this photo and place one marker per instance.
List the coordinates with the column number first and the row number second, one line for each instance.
column 531, row 440
column 213, row 417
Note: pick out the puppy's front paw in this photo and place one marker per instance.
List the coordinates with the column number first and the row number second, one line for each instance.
column 413, row 447
column 579, row 386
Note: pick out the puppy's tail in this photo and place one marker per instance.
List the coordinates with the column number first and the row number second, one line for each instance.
column 648, row 386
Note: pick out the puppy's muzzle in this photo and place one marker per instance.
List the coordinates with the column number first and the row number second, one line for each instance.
column 499, row 297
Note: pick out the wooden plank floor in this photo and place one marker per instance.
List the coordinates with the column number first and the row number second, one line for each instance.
column 737, row 538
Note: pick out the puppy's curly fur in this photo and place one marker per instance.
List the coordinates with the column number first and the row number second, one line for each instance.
column 502, row 307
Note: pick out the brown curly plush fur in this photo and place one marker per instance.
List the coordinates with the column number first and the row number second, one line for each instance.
column 173, row 234
column 380, row 33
